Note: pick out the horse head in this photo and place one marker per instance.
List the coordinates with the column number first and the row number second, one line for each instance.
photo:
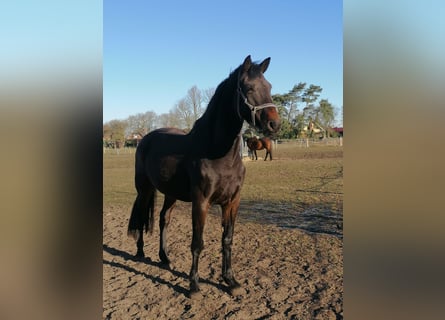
column 254, row 92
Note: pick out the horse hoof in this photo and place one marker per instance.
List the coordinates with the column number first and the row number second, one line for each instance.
column 194, row 292
column 165, row 261
column 140, row 255
column 165, row 265
column 234, row 288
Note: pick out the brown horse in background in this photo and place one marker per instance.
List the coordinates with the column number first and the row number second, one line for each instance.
column 203, row 166
column 255, row 144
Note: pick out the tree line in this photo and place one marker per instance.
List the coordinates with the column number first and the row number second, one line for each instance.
column 300, row 109
column 303, row 114
column 183, row 115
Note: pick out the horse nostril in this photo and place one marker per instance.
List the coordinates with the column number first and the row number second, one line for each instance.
column 274, row 125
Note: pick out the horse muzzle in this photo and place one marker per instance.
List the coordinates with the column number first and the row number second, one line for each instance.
column 274, row 126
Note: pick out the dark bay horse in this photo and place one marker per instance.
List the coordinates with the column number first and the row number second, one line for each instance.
column 204, row 166
column 255, row 144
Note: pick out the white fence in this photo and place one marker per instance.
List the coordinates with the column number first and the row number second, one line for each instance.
column 303, row 143
column 307, row 142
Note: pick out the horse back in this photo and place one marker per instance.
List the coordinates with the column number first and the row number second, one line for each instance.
column 267, row 143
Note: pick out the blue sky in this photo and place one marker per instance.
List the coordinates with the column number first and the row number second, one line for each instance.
column 154, row 51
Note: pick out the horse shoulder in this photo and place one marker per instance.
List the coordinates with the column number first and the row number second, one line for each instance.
column 218, row 179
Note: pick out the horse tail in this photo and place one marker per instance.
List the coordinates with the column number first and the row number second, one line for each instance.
column 142, row 214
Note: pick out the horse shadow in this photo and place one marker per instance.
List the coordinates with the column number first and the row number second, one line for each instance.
column 129, row 257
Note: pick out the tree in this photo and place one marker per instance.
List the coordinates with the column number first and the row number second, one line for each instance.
column 194, row 101
column 289, row 101
column 207, row 95
column 106, row 132
column 295, row 95
column 169, row 119
column 141, row 123
column 325, row 114
column 287, row 130
column 309, row 97
column 117, row 131
column 299, row 123
column 184, row 114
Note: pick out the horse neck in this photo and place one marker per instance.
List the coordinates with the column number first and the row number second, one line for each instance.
column 219, row 128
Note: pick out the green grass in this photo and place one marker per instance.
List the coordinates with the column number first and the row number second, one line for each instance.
column 118, row 179
column 301, row 188
column 297, row 177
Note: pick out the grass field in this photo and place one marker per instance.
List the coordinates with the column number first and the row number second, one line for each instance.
column 301, row 187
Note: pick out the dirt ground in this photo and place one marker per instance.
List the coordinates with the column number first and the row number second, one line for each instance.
column 286, row 273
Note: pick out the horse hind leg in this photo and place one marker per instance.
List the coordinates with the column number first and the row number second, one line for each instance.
column 268, row 153
column 164, row 221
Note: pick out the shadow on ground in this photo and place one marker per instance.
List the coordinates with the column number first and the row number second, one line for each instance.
column 319, row 218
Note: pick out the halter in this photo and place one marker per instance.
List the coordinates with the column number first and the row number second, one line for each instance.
column 254, row 109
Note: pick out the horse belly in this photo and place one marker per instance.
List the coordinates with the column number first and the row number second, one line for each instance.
column 169, row 176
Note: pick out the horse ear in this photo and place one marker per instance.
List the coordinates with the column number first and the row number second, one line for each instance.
column 247, row 63
column 264, row 65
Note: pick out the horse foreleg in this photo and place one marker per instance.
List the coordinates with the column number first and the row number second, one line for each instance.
column 229, row 212
column 256, row 156
column 164, row 221
column 199, row 213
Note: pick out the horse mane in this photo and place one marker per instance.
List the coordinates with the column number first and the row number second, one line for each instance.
column 218, row 127
column 230, row 81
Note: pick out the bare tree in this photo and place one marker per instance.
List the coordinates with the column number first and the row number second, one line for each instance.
column 194, row 100
column 168, row 120
column 141, row 123
column 184, row 114
column 116, row 130
column 207, row 95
